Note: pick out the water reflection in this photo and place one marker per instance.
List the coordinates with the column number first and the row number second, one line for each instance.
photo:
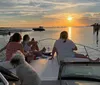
column 70, row 32
column 82, row 35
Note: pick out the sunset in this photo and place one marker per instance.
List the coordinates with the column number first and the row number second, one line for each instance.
column 32, row 13
column 69, row 18
column 49, row 42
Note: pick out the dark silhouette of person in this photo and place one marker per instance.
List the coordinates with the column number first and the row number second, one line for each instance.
column 96, row 28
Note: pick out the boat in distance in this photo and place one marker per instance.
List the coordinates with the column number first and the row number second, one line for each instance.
column 40, row 28
column 9, row 30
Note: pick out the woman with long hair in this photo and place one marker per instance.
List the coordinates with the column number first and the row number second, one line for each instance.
column 65, row 47
column 28, row 47
column 13, row 46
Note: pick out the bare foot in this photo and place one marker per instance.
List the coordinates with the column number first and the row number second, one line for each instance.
column 97, row 60
column 43, row 50
column 48, row 54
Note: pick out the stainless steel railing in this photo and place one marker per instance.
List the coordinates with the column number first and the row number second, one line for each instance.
column 89, row 51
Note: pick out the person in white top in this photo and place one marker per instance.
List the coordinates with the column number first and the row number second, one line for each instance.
column 28, row 48
column 64, row 47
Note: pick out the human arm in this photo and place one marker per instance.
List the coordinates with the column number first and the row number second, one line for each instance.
column 34, row 45
column 75, row 48
column 3, row 48
column 22, row 49
column 37, row 48
column 53, row 52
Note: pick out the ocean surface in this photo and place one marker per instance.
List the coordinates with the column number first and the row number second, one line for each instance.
column 80, row 35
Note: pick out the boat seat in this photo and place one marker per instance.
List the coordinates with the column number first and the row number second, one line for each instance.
column 10, row 76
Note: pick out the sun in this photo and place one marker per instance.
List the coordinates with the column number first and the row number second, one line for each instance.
column 69, row 18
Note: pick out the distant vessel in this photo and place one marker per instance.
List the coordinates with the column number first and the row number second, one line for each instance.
column 8, row 30
column 96, row 29
column 40, row 28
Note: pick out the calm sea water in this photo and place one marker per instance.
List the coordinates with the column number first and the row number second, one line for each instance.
column 81, row 35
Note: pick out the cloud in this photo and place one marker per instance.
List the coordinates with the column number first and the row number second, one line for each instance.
column 49, row 9
column 41, row 6
column 83, row 18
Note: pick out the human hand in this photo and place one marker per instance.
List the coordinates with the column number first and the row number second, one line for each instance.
column 51, row 58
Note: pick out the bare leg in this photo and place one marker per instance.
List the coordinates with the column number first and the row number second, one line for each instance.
column 43, row 50
column 80, row 55
column 29, row 57
column 85, row 56
column 94, row 60
column 39, row 53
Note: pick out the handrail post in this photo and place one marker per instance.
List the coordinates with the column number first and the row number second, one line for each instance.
column 86, row 51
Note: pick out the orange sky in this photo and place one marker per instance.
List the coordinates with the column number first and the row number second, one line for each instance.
column 34, row 13
column 60, row 22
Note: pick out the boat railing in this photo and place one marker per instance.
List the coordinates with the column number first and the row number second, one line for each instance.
column 87, row 50
column 49, row 42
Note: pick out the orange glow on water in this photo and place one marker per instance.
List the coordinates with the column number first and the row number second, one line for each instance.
column 70, row 32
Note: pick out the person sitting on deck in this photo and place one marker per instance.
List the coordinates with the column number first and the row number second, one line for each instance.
column 27, row 45
column 34, row 46
column 13, row 46
column 65, row 47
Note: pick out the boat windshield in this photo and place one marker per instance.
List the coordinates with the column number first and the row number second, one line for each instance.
column 76, row 69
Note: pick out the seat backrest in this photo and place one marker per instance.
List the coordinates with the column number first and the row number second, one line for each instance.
column 10, row 76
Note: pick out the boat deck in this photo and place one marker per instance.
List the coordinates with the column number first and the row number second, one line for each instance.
column 47, row 70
